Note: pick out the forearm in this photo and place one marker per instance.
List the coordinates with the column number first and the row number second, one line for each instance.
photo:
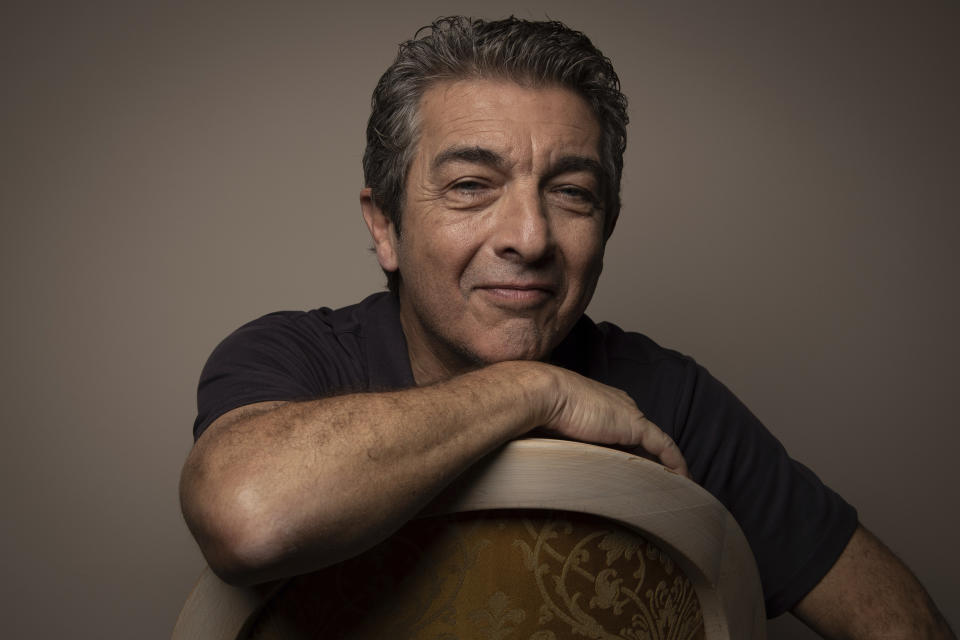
column 870, row 593
column 304, row 485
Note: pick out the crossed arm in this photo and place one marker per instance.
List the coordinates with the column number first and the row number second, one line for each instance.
column 278, row 489
column 274, row 489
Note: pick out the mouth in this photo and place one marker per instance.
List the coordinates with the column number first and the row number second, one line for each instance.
column 517, row 295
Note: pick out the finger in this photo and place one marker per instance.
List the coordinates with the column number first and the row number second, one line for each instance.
column 664, row 448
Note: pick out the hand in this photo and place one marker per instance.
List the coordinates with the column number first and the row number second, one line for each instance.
column 583, row 409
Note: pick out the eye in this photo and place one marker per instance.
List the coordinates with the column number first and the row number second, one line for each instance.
column 470, row 192
column 469, row 187
column 575, row 192
column 573, row 197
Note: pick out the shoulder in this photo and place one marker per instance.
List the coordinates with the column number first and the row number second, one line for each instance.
column 631, row 346
column 610, row 354
column 290, row 355
column 338, row 329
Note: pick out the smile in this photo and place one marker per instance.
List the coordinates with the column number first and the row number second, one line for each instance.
column 516, row 296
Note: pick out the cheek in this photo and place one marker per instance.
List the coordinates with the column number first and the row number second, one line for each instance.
column 438, row 257
column 584, row 261
column 586, row 280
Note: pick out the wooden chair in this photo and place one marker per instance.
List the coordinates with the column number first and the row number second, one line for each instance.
column 580, row 525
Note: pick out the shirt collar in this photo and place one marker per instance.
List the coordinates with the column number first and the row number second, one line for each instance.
column 388, row 362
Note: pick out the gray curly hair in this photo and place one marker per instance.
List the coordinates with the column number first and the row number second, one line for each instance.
column 454, row 48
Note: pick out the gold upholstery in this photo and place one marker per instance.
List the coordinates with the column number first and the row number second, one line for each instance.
column 545, row 575
column 498, row 575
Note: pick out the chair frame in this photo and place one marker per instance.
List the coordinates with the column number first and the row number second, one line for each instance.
column 676, row 514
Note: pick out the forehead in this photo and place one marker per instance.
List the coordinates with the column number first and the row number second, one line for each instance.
column 518, row 122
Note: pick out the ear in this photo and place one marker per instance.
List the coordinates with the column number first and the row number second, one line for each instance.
column 382, row 230
column 609, row 225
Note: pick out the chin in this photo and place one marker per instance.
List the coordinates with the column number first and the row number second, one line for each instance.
column 503, row 348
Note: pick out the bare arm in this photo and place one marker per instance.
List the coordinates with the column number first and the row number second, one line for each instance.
column 869, row 593
column 276, row 489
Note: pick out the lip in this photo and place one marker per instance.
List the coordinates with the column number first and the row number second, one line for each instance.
column 517, row 295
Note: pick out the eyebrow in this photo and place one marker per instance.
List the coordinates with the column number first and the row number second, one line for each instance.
column 573, row 164
column 488, row 157
column 475, row 155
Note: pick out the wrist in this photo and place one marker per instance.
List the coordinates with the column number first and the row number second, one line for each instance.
column 532, row 385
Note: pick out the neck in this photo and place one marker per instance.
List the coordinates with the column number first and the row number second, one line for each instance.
column 429, row 361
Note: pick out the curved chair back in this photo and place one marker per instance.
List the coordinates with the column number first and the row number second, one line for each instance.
column 596, row 537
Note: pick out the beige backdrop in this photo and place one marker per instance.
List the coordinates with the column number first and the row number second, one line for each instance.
column 168, row 173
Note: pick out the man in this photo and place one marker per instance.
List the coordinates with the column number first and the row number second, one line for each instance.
column 493, row 163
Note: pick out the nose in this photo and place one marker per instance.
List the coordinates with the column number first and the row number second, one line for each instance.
column 523, row 230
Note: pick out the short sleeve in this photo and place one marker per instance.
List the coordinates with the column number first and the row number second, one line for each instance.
column 282, row 356
column 796, row 525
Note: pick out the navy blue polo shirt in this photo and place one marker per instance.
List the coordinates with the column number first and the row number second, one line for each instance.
column 796, row 526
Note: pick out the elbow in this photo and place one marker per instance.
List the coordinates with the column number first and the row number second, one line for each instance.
column 238, row 552
column 240, row 540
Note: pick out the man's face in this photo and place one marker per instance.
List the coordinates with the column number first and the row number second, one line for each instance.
column 502, row 231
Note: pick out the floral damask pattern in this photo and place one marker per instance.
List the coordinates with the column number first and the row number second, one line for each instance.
column 497, row 620
column 502, row 576
column 563, row 561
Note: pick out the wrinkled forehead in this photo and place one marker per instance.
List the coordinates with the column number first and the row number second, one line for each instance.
column 520, row 123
